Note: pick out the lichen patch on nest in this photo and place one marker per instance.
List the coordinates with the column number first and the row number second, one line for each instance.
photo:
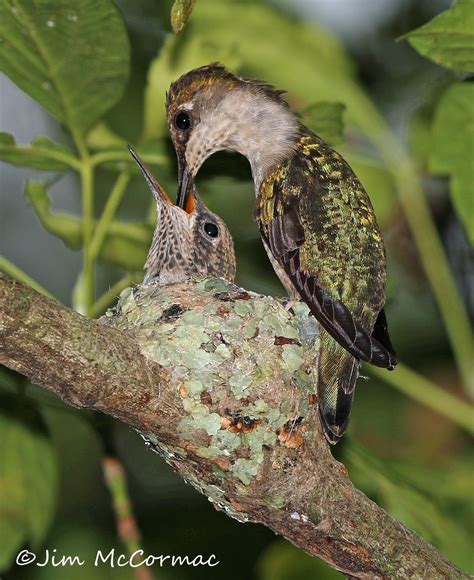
column 228, row 351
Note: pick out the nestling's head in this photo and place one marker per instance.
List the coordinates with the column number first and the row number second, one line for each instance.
column 210, row 109
column 188, row 242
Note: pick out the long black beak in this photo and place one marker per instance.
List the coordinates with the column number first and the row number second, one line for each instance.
column 186, row 186
column 158, row 192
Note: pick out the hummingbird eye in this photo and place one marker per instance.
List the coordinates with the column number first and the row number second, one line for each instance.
column 211, row 229
column 182, row 121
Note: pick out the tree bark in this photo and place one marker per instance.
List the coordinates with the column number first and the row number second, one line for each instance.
column 220, row 382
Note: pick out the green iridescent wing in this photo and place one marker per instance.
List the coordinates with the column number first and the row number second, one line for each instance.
column 318, row 223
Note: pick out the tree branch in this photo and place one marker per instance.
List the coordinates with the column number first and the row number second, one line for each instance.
column 222, row 384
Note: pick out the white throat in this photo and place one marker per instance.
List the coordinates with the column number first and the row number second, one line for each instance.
column 250, row 123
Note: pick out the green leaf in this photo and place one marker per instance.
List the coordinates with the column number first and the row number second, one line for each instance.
column 126, row 243
column 180, row 12
column 452, row 148
column 28, row 478
column 448, row 39
column 178, row 55
column 325, row 119
column 41, row 154
column 62, row 225
column 72, row 56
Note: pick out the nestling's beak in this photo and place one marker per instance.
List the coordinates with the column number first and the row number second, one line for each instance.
column 158, row 192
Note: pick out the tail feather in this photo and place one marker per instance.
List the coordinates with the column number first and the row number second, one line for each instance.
column 337, row 377
column 380, row 333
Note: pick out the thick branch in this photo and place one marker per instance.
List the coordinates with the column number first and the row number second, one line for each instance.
column 222, row 385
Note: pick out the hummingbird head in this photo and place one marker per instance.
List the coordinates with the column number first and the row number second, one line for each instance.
column 187, row 242
column 210, row 109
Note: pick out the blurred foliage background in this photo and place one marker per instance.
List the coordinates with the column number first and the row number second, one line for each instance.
column 85, row 77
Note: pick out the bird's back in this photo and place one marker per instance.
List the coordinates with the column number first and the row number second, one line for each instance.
column 342, row 244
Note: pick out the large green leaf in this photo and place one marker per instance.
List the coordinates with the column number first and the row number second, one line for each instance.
column 453, row 147
column 28, row 478
column 72, row 56
column 448, row 39
column 41, row 154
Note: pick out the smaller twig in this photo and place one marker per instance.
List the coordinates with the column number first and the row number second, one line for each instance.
column 108, row 213
column 127, row 528
column 426, row 392
column 12, row 270
column 86, row 293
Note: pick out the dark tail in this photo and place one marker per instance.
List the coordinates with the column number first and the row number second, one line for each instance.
column 380, row 333
column 337, row 377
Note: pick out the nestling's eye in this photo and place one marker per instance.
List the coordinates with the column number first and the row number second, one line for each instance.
column 183, row 121
column 211, row 229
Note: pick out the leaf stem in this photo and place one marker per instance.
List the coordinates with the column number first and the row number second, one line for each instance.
column 107, row 297
column 108, row 214
column 426, row 392
column 88, row 275
column 15, row 272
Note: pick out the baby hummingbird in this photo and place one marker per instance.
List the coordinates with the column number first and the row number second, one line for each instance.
column 315, row 218
column 187, row 242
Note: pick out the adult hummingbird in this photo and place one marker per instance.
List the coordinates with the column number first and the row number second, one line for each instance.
column 187, row 242
column 315, row 218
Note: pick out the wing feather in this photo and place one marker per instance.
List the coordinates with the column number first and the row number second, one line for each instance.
column 284, row 235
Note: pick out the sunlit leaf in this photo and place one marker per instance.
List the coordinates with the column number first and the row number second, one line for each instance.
column 326, row 120
column 180, row 12
column 448, row 39
column 28, row 478
column 41, row 154
column 453, row 146
column 71, row 56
